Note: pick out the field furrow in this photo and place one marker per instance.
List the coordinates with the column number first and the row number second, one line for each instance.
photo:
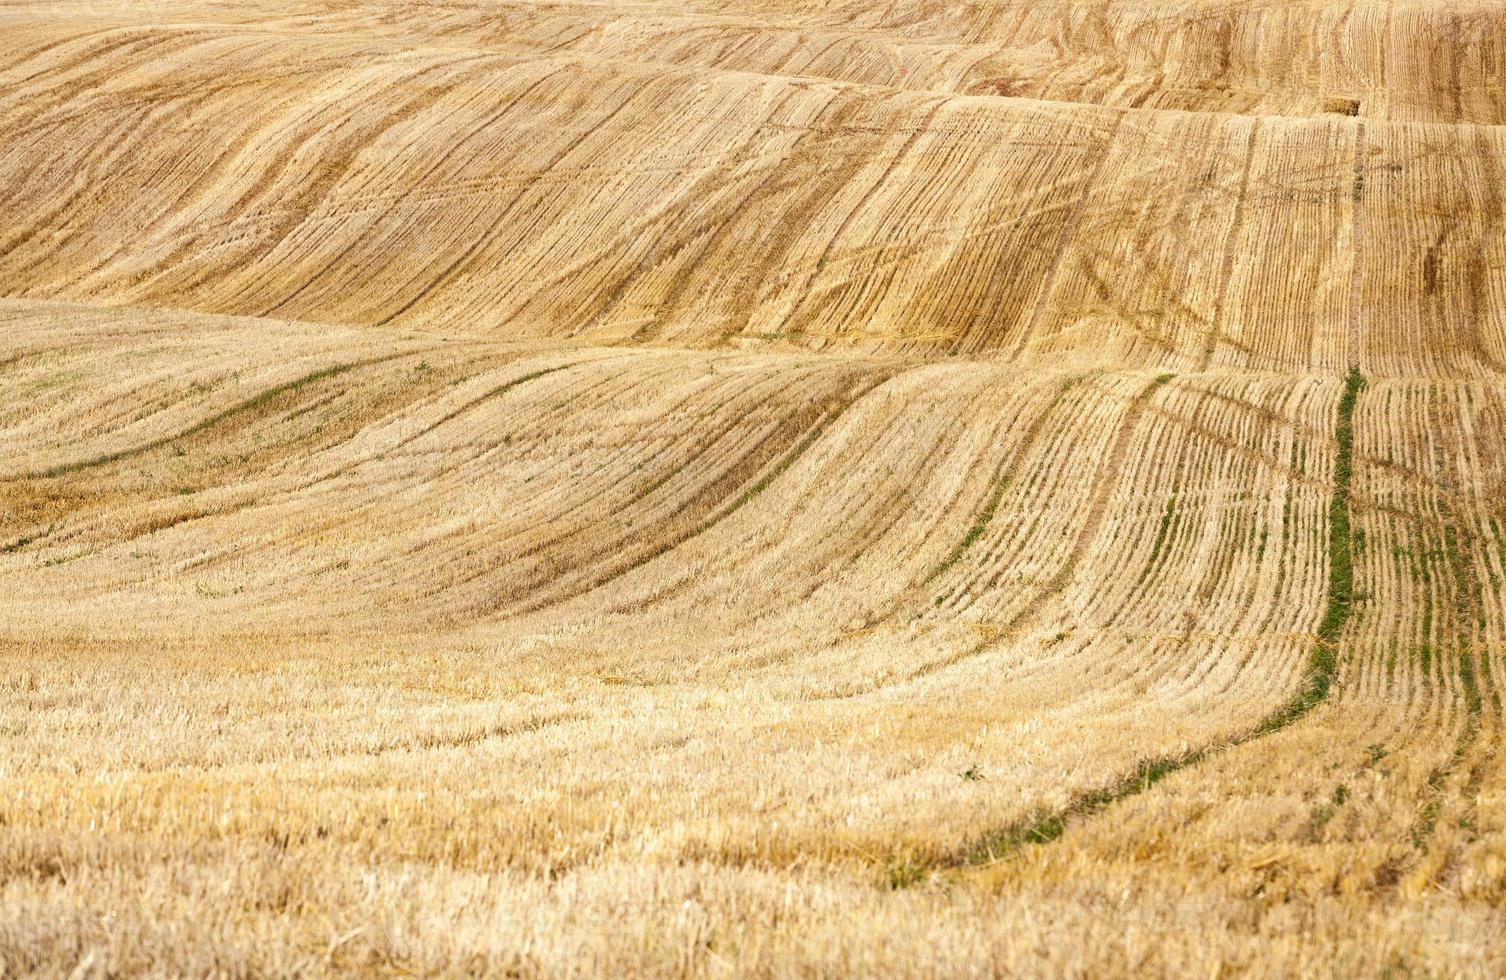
column 503, row 487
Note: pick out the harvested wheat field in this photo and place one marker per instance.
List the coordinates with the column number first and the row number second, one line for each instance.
column 781, row 488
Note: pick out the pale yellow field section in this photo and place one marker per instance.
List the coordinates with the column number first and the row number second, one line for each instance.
column 775, row 488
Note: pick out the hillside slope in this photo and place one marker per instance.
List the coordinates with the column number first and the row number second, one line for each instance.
column 779, row 488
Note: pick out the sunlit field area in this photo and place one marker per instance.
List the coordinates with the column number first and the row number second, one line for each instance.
column 773, row 488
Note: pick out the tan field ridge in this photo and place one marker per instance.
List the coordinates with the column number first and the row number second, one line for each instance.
column 790, row 488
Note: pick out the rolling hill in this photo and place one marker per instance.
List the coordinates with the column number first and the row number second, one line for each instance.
column 871, row 487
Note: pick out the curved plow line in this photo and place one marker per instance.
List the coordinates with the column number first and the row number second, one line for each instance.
column 1063, row 575
column 341, row 470
column 1003, row 476
column 583, row 505
column 1423, row 873
column 1322, row 669
column 249, row 405
column 717, row 515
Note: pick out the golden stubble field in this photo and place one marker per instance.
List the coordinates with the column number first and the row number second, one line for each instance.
column 786, row 488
